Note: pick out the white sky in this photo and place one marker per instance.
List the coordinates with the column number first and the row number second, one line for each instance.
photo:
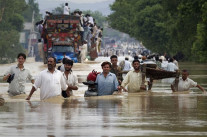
column 48, row 5
column 74, row 1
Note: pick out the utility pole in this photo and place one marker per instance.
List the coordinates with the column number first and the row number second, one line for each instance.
column 32, row 36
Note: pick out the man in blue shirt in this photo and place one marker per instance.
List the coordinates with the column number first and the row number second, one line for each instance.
column 107, row 81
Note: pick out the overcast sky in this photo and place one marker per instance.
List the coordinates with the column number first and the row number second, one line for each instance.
column 100, row 5
column 74, row 1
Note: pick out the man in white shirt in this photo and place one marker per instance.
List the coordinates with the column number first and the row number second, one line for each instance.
column 84, row 51
column 90, row 19
column 20, row 76
column 171, row 66
column 127, row 65
column 50, row 81
column 70, row 79
column 185, row 83
column 175, row 61
column 66, row 10
column 133, row 79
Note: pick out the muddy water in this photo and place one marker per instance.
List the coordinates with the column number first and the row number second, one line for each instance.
column 155, row 113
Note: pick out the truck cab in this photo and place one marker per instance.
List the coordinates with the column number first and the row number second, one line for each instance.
column 59, row 51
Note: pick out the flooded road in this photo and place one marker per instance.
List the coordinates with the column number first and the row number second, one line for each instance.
column 155, row 113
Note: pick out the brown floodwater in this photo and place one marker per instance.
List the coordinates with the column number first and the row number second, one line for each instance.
column 152, row 113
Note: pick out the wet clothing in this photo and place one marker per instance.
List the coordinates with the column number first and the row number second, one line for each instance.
column 70, row 81
column 17, row 85
column 106, row 85
column 50, row 84
column 133, row 81
column 158, row 63
column 62, row 68
column 171, row 67
column 117, row 72
column 164, row 65
column 176, row 63
column 185, row 85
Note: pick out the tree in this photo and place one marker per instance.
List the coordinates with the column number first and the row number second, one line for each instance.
column 58, row 10
column 9, row 46
column 12, row 13
column 31, row 6
column 172, row 26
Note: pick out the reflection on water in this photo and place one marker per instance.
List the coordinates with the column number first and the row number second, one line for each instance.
column 156, row 113
column 131, row 115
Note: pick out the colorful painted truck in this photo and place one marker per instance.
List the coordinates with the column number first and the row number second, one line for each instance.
column 61, row 36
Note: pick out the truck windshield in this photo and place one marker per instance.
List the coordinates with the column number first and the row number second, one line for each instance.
column 63, row 49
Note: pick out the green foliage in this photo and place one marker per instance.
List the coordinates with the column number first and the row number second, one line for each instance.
column 170, row 26
column 32, row 6
column 17, row 22
column 13, row 13
column 58, row 10
column 9, row 46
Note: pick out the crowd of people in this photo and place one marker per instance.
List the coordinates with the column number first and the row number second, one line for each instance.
column 53, row 82
column 171, row 64
column 125, row 76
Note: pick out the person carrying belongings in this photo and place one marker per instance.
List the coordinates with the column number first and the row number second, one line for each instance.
column 17, row 75
column 184, row 83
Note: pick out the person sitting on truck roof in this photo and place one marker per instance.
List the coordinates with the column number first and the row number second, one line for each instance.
column 66, row 10
column 48, row 13
column 76, row 13
column 90, row 18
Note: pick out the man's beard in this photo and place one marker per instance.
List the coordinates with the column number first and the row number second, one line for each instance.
column 136, row 68
column 68, row 69
column 50, row 66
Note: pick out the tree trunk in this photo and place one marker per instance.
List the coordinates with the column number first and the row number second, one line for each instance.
column 1, row 15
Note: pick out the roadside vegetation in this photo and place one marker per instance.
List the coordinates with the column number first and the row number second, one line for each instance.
column 13, row 14
column 171, row 26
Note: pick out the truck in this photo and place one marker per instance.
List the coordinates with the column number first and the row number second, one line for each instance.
column 61, row 36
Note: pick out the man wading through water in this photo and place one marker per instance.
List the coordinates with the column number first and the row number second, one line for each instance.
column 70, row 79
column 50, row 81
column 20, row 75
column 134, row 79
column 107, row 81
